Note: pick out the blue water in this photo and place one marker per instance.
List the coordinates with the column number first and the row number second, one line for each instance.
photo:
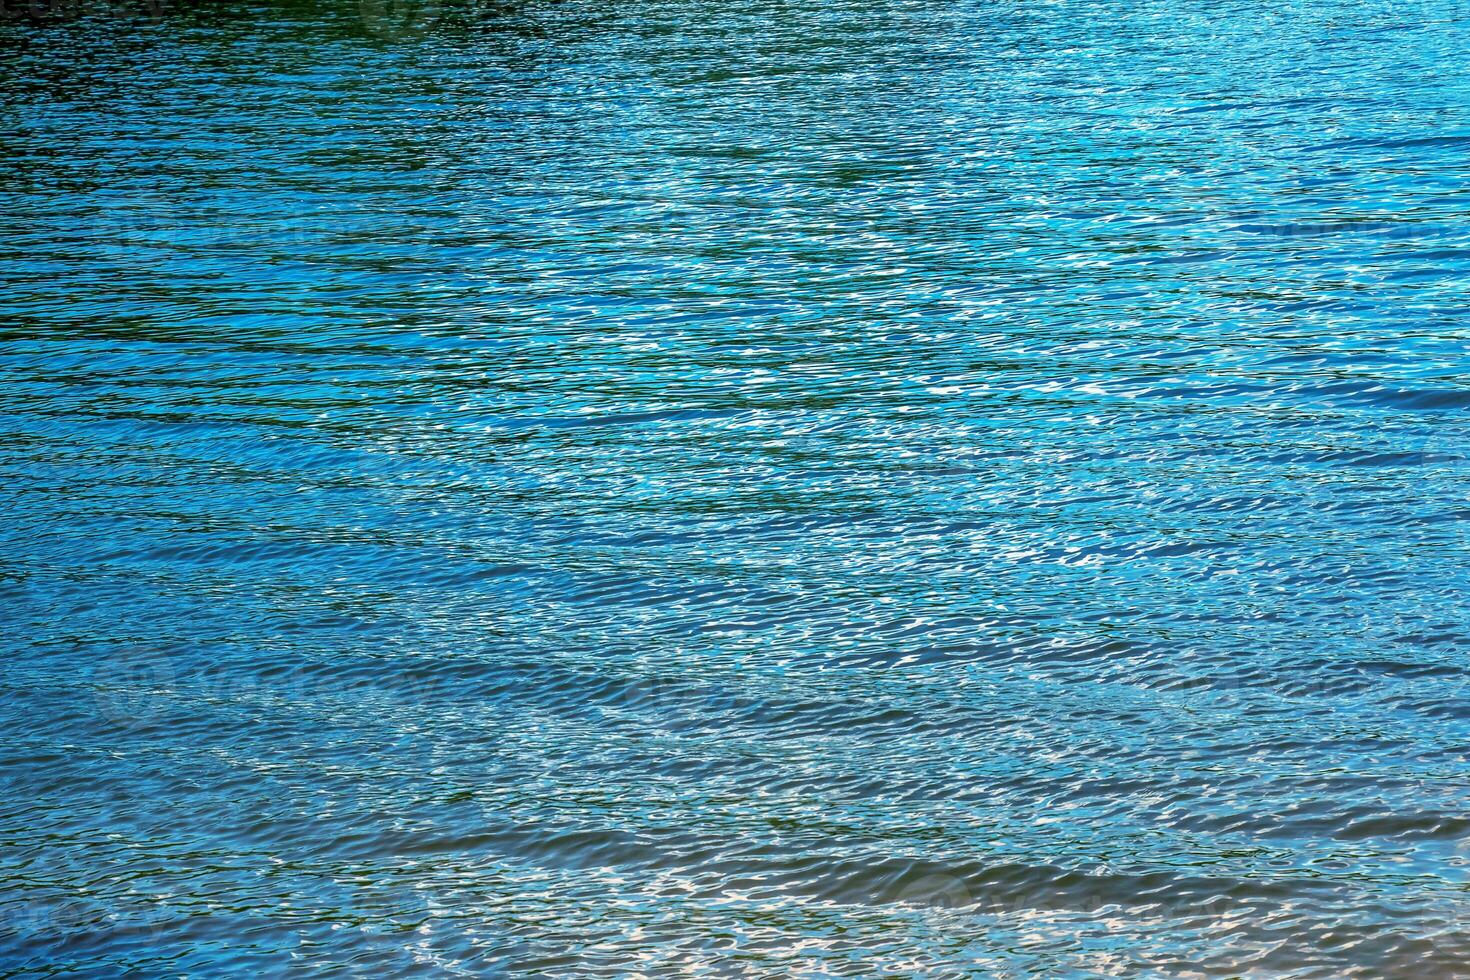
column 749, row 489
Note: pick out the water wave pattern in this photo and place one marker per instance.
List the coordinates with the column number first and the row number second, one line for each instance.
column 943, row 489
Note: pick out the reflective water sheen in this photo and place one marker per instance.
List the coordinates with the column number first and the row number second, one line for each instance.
column 747, row 489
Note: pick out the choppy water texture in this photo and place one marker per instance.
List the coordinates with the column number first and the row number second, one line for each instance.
column 746, row 489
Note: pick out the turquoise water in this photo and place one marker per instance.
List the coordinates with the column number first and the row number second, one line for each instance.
column 749, row 489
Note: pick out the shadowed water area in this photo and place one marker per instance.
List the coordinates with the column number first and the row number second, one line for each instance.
column 748, row 489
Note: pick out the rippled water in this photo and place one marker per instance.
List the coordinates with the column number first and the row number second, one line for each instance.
column 748, row 489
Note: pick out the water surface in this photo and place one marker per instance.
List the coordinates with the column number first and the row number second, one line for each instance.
column 746, row 489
